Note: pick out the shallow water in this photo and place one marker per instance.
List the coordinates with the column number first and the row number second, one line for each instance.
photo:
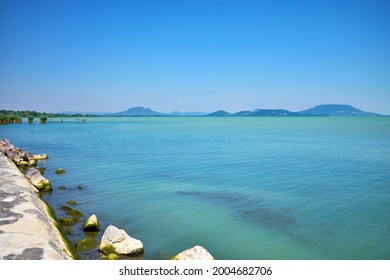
column 243, row 188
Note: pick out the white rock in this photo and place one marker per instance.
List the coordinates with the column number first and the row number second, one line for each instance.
column 194, row 253
column 37, row 179
column 92, row 224
column 122, row 242
column 40, row 157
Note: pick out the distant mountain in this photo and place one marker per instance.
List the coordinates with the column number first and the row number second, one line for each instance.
column 220, row 113
column 186, row 114
column 271, row 113
column 255, row 113
column 337, row 111
column 243, row 113
column 138, row 112
column 320, row 110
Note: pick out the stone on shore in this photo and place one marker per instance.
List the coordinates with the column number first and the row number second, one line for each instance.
column 40, row 157
column 32, row 162
column 194, row 253
column 92, row 224
column 37, row 179
column 120, row 241
column 5, row 146
column 112, row 257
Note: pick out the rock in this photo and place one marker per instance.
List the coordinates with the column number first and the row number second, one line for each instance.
column 71, row 211
column 18, row 158
column 87, row 244
column 23, row 163
column 120, row 241
column 29, row 156
column 92, row 224
column 62, row 188
column 112, row 257
column 72, row 202
column 31, row 162
column 5, row 146
column 37, row 179
column 74, row 213
column 11, row 154
column 194, row 253
column 66, row 208
column 60, row 171
column 40, row 157
column 47, row 189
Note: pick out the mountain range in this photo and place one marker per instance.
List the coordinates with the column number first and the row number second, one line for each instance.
column 320, row 110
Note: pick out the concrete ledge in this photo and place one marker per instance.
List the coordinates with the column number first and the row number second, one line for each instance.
column 27, row 232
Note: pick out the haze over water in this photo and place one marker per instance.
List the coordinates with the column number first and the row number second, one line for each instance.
column 243, row 188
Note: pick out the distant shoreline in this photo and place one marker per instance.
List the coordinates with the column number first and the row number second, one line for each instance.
column 329, row 110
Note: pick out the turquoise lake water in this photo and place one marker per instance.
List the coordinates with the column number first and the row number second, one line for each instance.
column 243, row 188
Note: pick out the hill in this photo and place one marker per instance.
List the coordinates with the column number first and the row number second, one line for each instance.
column 336, row 111
column 138, row 112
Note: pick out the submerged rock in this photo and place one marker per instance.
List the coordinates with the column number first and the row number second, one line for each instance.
column 194, row 253
column 69, row 221
column 92, row 224
column 60, row 171
column 122, row 243
column 72, row 202
column 66, row 208
column 74, row 213
column 37, row 179
column 87, row 244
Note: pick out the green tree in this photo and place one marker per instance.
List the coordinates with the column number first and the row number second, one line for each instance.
column 30, row 119
column 42, row 119
column 18, row 119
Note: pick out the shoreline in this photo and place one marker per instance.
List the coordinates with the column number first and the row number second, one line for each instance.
column 28, row 229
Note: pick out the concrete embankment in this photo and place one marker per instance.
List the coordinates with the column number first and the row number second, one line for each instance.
column 27, row 232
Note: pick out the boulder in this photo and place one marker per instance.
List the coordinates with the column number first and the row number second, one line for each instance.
column 5, row 146
column 112, row 257
column 18, row 158
column 194, row 253
column 40, row 157
column 11, row 154
column 119, row 240
column 37, row 179
column 31, row 162
column 22, row 163
column 92, row 224
column 29, row 156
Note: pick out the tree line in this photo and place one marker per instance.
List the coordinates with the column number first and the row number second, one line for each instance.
column 9, row 116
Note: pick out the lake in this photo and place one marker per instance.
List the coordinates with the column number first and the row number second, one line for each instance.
column 242, row 187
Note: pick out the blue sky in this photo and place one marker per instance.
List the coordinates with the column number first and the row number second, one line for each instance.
column 107, row 56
